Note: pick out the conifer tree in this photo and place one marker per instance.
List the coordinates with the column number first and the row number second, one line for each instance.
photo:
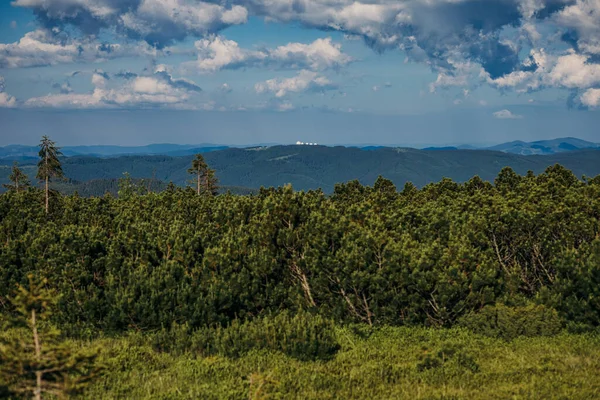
column 204, row 177
column 211, row 182
column 49, row 165
column 19, row 181
column 33, row 360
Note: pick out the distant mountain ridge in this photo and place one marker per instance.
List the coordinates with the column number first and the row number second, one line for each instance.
column 540, row 147
column 23, row 153
column 313, row 167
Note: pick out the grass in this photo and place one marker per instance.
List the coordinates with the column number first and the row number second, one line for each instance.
column 390, row 363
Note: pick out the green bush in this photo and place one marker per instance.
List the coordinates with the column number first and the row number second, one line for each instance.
column 302, row 336
column 510, row 322
column 448, row 354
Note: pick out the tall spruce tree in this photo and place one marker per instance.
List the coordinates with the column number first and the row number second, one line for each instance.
column 33, row 359
column 49, row 166
column 211, row 182
column 204, row 177
column 19, row 181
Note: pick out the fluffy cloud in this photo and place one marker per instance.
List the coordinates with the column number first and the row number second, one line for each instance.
column 569, row 71
column 44, row 47
column 158, row 22
column 435, row 29
column 466, row 42
column 225, row 88
column 429, row 30
column 216, row 53
column 582, row 19
column 63, row 88
column 574, row 71
column 159, row 89
column 304, row 81
column 591, row 98
column 506, row 114
column 5, row 99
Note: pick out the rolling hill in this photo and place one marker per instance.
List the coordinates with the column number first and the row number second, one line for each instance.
column 554, row 146
column 26, row 153
column 29, row 153
column 312, row 167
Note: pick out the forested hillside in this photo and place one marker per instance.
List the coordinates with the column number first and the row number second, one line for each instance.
column 366, row 254
column 287, row 290
column 314, row 167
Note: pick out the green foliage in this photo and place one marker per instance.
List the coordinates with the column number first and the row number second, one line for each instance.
column 238, row 293
column 510, row 322
column 576, row 290
column 302, row 336
column 382, row 366
column 18, row 180
column 129, row 187
column 367, row 255
column 33, row 359
column 444, row 357
column 49, row 165
column 204, row 177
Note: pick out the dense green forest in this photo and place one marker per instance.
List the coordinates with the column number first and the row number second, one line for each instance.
column 370, row 292
column 310, row 167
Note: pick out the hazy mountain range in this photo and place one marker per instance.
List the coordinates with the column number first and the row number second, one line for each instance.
column 311, row 167
column 20, row 152
column 540, row 147
column 23, row 153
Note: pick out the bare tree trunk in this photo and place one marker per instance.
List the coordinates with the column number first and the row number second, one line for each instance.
column 301, row 276
column 46, row 194
column 47, row 175
column 198, row 186
column 37, row 393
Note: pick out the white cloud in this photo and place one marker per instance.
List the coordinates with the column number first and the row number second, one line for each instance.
column 574, row 71
column 216, row 53
column 159, row 89
column 318, row 55
column 506, row 114
column 99, row 79
column 156, row 21
column 304, row 81
column 43, row 47
column 149, row 85
column 591, row 98
column 225, row 88
column 511, row 80
column 286, row 106
column 64, row 87
column 165, row 20
column 6, row 100
column 13, row 24
column 569, row 70
column 455, row 38
column 583, row 17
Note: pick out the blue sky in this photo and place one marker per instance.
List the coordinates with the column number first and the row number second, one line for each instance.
column 411, row 72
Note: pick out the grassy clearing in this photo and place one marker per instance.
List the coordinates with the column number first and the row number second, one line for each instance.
column 388, row 363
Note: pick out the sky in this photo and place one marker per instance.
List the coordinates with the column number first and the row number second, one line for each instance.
column 403, row 72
